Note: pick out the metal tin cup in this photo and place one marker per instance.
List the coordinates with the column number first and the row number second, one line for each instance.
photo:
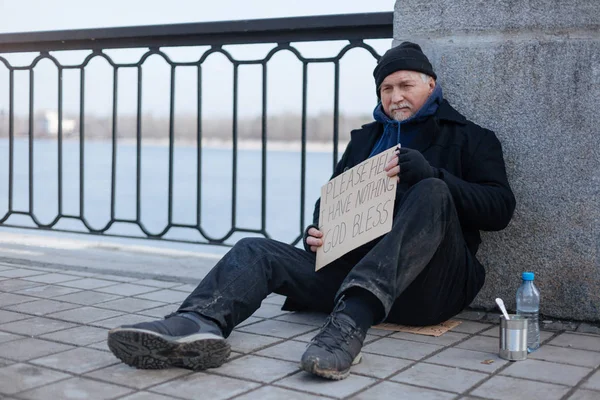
column 513, row 338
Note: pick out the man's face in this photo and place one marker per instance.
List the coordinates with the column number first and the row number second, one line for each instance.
column 403, row 93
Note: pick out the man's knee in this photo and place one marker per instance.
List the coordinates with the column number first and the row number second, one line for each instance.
column 251, row 243
column 432, row 189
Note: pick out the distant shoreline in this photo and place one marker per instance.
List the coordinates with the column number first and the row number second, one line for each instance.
column 209, row 143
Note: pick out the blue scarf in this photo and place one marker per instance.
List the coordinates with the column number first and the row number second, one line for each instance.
column 391, row 131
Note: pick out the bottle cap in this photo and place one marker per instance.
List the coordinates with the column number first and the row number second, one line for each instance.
column 528, row 276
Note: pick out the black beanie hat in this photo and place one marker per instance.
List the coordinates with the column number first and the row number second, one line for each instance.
column 406, row 56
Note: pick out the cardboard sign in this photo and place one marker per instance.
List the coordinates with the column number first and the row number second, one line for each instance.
column 356, row 207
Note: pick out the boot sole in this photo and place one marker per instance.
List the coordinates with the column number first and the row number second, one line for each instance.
column 150, row 350
column 314, row 369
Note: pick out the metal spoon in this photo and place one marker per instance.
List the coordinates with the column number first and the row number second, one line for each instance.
column 502, row 308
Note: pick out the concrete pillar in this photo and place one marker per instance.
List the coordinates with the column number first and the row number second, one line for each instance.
column 530, row 71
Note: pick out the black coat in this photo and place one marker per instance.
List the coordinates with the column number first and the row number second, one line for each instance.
column 467, row 157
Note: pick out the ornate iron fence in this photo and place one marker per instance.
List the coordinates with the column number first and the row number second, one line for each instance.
column 354, row 28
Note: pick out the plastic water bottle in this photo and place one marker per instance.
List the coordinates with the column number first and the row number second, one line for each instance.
column 528, row 306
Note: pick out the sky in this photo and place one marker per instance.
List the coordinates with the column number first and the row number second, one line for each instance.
column 284, row 79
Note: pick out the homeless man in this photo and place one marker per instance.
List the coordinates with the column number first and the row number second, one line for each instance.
column 451, row 185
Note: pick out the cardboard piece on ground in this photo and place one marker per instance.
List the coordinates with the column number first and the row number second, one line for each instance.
column 433, row 330
column 356, row 207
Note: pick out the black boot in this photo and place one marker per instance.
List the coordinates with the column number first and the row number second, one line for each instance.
column 336, row 347
column 182, row 340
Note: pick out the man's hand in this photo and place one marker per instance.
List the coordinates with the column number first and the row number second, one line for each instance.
column 413, row 166
column 409, row 167
column 314, row 239
column 392, row 168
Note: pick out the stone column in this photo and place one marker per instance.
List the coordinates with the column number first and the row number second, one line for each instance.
column 530, row 71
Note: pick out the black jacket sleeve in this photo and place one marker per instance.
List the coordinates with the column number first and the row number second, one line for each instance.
column 483, row 198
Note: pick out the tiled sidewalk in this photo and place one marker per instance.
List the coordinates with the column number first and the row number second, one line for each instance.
column 53, row 326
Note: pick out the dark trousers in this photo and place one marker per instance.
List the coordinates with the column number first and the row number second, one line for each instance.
column 421, row 271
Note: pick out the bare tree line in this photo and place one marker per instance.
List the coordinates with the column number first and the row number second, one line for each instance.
column 284, row 127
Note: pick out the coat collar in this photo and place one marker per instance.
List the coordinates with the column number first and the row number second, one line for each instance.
column 365, row 138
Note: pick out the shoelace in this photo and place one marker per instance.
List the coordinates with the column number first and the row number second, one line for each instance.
column 320, row 339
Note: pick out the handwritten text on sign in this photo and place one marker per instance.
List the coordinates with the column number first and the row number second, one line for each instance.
column 356, row 207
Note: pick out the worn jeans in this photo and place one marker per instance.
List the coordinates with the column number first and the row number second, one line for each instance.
column 421, row 271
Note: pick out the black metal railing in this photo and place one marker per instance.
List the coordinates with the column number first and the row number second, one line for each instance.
column 283, row 33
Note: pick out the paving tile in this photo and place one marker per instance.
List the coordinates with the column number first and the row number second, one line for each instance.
column 127, row 289
column 471, row 315
column 589, row 328
column 289, row 350
column 114, row 278
column 368, row 338
column 468, row 359
column 42, row 307
column 130, row 304
column 27, row 349
column 36, row 326
column 76, row 389
column 8, row 337
column 577, row 341
column 547, row 372
column 379, row 332
column 78, row 361
column 308, row 318
column 212, row 387
column 7, row 299
column 447, row 339
column 275, row 299
column 165, row 295
column 310, row 383
column 565, row 355
column 484, row 344
column 85, row 315
column 506, row 388
column 88, row 283
column 122, row 374
column 269, row 311
column 87, row 297
column 5, row 363
column 102, row 345
column 379, row 366
column 432, row 376
column 79, row 336
column 157, row 283
column 470, row 327
column 187, row 288
column 13, row 285
column 9, row 316
column 159, row 312
column 19, row 377
column 48, row 291
column 275, row 393
column 19, row 273
column 259, row 369
column 400, row 348
column 146, row 396
column 80, row 274
column 593, row 382
column 246, row 342
column 249, row 320
column 398, row 391
column 280, row 329
column 584, row 395
column 52, row 278
column 127, row 319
